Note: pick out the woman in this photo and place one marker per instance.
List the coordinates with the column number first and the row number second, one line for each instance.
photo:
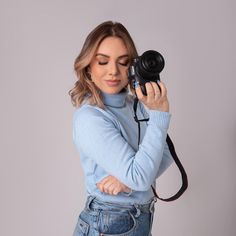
column 119, row 172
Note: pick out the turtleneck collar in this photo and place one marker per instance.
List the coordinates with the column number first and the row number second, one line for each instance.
column 115, row 100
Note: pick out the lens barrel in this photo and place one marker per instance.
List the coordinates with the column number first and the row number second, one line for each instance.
column 150, row 64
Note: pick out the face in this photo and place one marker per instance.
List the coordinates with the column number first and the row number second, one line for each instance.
column 109, row 66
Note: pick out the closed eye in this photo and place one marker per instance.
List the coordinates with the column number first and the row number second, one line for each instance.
column 102, row 63
column 124, row 64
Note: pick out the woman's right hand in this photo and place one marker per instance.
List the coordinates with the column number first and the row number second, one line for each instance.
column 156, row 98
column 111, row 185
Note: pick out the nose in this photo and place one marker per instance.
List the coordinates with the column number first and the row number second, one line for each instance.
column 113, row 70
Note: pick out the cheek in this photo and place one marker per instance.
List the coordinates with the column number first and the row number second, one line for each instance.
column 98, row 72
column 124, row 73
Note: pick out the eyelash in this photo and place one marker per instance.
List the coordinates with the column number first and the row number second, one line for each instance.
column 104, row 63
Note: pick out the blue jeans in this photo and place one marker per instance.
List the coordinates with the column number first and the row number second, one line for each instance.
column 105, row 218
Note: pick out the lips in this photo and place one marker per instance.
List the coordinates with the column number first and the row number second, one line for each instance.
column 112, row 83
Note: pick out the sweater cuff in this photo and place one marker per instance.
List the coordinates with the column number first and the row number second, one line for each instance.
column 129, row 193
column 159, row 118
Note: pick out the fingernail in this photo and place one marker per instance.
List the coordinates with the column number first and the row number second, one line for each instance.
column 158, row 81
column 136, row 84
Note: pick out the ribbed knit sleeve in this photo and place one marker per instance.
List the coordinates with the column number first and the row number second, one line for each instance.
column 167, row 160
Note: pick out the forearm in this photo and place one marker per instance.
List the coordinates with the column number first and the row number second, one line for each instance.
column 111, row 151
column 167, row 160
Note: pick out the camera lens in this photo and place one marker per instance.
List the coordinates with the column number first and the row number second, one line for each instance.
column 152, row 62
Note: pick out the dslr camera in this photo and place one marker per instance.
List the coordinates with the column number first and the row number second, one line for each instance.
column 145, row 68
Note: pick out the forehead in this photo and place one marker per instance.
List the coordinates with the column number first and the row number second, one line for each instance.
column 112, row 46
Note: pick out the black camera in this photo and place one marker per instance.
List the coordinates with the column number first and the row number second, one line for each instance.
column 145, row 68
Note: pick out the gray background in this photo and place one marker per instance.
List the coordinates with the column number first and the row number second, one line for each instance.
column 42, row 184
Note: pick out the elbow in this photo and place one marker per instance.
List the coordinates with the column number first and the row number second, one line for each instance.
column 141, row 184
column 140, row 178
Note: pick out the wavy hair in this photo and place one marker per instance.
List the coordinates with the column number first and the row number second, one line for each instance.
column 84, row 89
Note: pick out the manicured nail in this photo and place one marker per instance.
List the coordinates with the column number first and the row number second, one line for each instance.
column 136, row 84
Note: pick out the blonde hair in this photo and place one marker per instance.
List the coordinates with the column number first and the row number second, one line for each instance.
column 84, row 88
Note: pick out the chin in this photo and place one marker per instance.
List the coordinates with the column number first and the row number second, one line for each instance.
column 114, row 90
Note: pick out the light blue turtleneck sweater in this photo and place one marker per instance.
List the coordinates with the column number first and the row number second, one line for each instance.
column 107, row 141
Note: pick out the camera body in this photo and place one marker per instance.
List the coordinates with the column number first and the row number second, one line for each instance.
column 145, row 68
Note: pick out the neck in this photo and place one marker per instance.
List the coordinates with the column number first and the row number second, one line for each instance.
column 115, row 100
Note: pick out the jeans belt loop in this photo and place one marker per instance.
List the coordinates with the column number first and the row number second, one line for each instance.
column 89, row 201
column 138, row 212
column 152, row 204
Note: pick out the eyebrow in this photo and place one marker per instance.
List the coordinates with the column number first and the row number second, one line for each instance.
column 104, row 55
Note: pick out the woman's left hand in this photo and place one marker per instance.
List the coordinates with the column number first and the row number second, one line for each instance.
column 112, row 186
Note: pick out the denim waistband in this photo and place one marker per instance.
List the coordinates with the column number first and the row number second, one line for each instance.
column 93, row 203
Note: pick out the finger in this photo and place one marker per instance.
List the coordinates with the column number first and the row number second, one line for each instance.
column 150, row 92
column 112, row 186
column 105, row 180
column 127, row 189
column 163, row 88
column 156, row 90
column 140, row 94
column 99, row 187
column 120, row 188
column 110, row 189
column 102, row 183
column 107, row 185
column 115, row 191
